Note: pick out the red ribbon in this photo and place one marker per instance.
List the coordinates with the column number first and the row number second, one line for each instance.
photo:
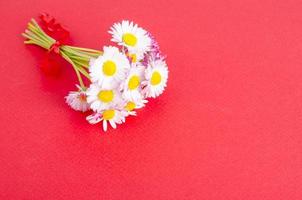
column 55, row 30
column 55, row 47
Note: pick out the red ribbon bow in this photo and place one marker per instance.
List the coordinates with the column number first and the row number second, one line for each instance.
column 55, row 47
column 55, row 30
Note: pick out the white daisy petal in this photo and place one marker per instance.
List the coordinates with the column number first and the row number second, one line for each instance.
column 104, row 125
column 94, row 118
column 113, row 125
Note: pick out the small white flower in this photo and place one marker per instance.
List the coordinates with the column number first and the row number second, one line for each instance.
column 130, row 106
column 113, row 116
column 156, row 76
column 129, row 35
column 100, row 98
column 132, row 85
column 77, row 100
column 110, row 68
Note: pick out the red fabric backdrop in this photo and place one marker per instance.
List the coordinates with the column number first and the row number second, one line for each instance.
column 227, row 127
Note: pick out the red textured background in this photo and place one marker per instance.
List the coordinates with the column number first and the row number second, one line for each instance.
column 227, row 127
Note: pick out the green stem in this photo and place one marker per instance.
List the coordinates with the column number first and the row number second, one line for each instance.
column 75, row 69
column 36, row 25
column 75, row 52
column 36, row 31
column 78, row 57
column 38, row 42
column 85, row 49
column 84, row 72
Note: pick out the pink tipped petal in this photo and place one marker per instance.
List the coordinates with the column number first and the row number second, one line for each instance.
column 112, row 124
column 105, row 125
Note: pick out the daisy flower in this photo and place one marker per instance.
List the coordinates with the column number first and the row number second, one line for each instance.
column 132, row 85
column 130, row 106
column 77, row 100
column 129, row 35
column 100, row 98
column 110, row 68
column 111, row 116
column 156, row 76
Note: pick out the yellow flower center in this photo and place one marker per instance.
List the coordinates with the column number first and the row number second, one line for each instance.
column 130, row 106
column 109, row 68
column 133, row 82
column 82, row 98
column 133, row 58
column 108, row 114
column 156, row 78
column 129, row 39
column 106, row 96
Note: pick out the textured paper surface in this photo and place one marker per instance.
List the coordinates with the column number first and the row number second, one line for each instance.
column 227, row 127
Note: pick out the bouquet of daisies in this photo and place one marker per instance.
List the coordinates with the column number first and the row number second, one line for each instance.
column 121, row 77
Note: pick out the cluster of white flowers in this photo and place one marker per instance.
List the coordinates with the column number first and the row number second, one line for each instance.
column 122, row 78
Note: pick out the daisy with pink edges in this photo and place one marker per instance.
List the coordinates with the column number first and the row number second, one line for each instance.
column 112, row 116
column 77, row 100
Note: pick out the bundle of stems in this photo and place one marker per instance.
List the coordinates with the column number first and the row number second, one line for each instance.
column 78, row 57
